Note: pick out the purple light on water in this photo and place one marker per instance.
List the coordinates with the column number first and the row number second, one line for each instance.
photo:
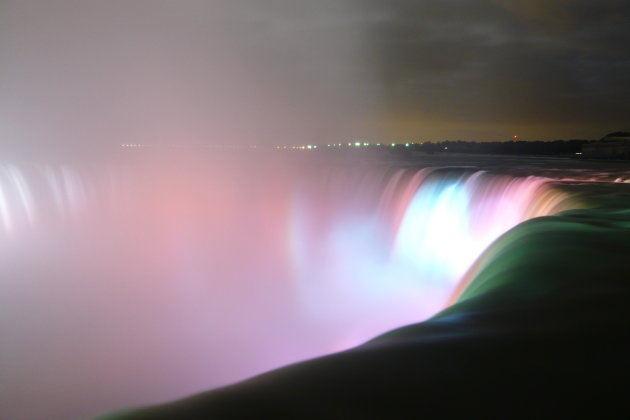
column 135, row 284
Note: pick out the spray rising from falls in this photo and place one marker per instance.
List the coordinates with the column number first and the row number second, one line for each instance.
column 176, row 278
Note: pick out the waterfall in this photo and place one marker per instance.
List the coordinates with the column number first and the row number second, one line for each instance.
column 395, row 243
column 176, row 278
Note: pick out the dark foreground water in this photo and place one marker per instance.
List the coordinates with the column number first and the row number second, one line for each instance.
column 149, row 279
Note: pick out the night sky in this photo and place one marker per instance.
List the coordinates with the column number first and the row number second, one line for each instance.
column 97, row 73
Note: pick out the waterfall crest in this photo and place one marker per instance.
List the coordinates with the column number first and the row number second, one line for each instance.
column 159, row 273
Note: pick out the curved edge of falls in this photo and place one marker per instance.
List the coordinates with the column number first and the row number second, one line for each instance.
column 203, row 265
column 539, row 331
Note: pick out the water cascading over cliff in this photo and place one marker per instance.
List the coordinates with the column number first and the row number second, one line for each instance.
column 181, row 277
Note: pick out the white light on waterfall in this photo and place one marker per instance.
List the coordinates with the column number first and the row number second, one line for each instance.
column 4, row 211
column 433, row 235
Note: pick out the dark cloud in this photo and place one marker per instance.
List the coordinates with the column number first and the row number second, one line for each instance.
column 544, row 65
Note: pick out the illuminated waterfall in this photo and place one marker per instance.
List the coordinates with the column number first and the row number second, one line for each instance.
column 32, row 195
column 177, row 278
column 395, row 257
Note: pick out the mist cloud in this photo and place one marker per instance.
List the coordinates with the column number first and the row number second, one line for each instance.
column 164, row 72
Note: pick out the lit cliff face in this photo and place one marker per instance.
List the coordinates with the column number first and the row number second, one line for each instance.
column 141, row 282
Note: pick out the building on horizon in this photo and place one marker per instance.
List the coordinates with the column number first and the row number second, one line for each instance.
column 612, row 146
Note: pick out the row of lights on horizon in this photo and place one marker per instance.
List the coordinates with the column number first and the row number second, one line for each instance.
column 349, row 144
column 301, row 147
column 361, row 144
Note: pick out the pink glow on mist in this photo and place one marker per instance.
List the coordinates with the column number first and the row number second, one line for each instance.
column 138, row 283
